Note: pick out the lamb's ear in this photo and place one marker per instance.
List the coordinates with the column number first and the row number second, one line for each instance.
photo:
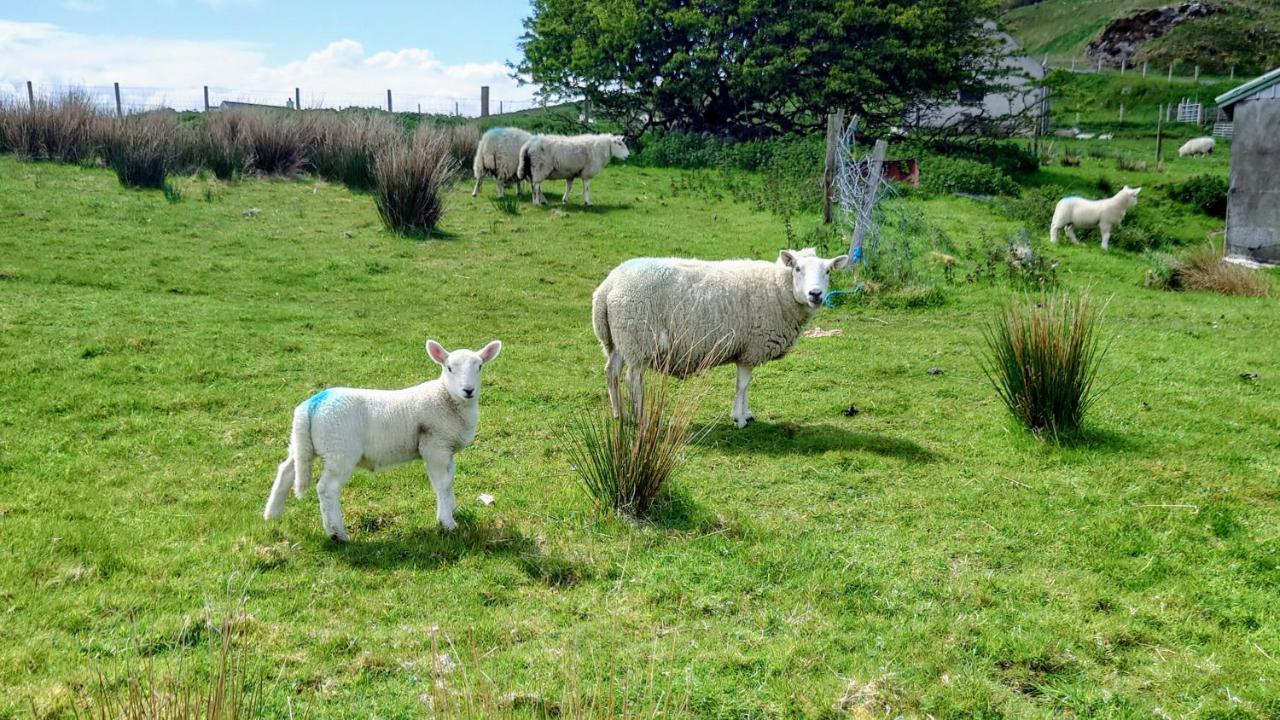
column 490, row 351
column 437, row 352
column 1137, row 190
column 839, row 262
column 787, row 258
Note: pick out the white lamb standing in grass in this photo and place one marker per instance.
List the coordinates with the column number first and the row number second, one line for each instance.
column 560, row 157
column 498, row 154
column 375, row 429
column 681, row 316
column 1077, row 212
column 1197, row 146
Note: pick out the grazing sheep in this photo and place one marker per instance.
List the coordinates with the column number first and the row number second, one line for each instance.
column 1076, row 212
column 1197, row 146
column 498, row 154
column 679, row 316
column 373, row 429
column 559, row 157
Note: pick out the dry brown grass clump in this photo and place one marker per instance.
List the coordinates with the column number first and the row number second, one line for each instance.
column 344, row 145
column 66, row 128
column 143, row 148
column 1203, row 268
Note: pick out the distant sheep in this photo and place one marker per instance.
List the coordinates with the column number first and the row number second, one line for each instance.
column 1197, row 146
column 498, row 154
column 1076, row 212
column 560, row 157
column 680, row 316
column 373, row 429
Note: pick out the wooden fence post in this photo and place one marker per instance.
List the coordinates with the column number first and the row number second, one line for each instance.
column 1124, row 64
column 834, row 127
column 1144, row 68
column 389, row 100
column 1159, row 135
column 1197, row 73
column 31, row 96
column 297, row 98
column 501, row 111
column 484, row 101
column 1122, row 112
column 206, row 98
column 874, row 177
column 1170, row 72
column 455, row 108
column 119, row 107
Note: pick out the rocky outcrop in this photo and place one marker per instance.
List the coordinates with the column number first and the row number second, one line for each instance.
column 1121, row 40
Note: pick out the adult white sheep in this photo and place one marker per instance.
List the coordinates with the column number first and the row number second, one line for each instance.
column 560, row 157
column 1076, row 212
column 1197, row 146
column 374, row 429
column 498, row 154
column 679, row 316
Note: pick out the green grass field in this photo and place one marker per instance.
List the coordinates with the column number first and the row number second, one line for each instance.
column 924, row 557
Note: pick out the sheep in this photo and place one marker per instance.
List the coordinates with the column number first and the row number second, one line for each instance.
column 375, row 429
column 498, row 154
column 560, row 157
column 680, row 316
column 1073, row 212
column 1197, row 146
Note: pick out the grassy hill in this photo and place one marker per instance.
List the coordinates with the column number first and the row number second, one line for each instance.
column 1244, row 33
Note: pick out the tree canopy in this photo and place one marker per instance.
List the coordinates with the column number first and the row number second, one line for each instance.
column 753, row 68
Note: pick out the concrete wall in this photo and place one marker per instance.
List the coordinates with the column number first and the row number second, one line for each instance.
column 1253, row 204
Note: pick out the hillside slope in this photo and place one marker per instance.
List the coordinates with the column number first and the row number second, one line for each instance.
column 1243, row 33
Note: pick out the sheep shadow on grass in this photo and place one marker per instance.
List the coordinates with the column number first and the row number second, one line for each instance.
column 766, row 438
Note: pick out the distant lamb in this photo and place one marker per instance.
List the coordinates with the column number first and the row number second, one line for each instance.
column 1197, row 146
column 1076, row 212
column 374, row 429
column 679, row 316
column 560, row 157
column 498, row 154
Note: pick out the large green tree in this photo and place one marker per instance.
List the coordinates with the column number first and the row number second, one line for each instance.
column 756, row 67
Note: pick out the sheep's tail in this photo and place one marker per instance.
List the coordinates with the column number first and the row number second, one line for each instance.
column 600, row 319
column 525, row 170
column 301, row 449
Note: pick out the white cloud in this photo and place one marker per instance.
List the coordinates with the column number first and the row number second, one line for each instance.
column 86, row 6
column 172, row 72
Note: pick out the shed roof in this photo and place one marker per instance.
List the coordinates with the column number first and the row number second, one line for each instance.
column 1231, row 97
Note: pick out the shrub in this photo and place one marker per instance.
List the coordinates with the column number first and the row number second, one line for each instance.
column 220, row 144
column 66, row 129
column 1203, row 268
column 1009, row 158
column 141, row 148
column 342, row 146
column 957, row 175
column 1043, row 357
column 277, row 141
column 1034, row 207
column 1017, row 261
column 1206, row 193
column 411, row 180
column 1125, row 163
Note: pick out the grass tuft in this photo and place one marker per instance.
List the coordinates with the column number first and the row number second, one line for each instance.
column 221, row 145
column 65, row 128
column 1043, row 357
column 277, row 142
column 141, row 149
column 412, row 180
column 1203, row 268
column 343, row 146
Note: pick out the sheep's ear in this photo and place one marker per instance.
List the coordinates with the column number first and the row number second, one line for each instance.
column 490, row 351
column 1137, row 190
column 839, row 262
column 787, row 258
column 437, row 352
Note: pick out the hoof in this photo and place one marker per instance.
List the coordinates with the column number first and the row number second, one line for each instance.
column 449, row 524
column 339, row 537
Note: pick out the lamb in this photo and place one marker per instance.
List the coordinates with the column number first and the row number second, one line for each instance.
column 1197, row 146
column 498, row 154
column 1073, row 212
column 374, row 429
column 560, row 157
column 679, row 316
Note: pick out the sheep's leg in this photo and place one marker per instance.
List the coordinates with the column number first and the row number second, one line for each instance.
column 568, row 189
column 741, row 413
column 440, row 469
column 1071, row 233
column 612, row 373
column 499, row 181
column 537, row 192
column 280, row 490
column 336, row 474
column 635, row 386
column 1053, row 233
column 476, row 190
column 586, row 191
column 1106, row 236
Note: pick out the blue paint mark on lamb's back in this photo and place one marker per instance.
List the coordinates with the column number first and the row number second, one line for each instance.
column 315, row 401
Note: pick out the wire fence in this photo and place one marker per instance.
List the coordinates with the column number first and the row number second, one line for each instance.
column 134, row 99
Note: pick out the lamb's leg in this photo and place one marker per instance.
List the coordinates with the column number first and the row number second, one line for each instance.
column 612, row 373
column 741, row 413
column 568, row 189
column 476, row 190
column 537, row 192
column 1053, row 233
column 336, row 474
column 499, row 181
column 1071, row 233
column 635, row 386
column 586, row 191
column 440, row 468
column 280, row 490
column 1106, row 236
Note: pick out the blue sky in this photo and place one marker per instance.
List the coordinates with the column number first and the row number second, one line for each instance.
column 163, row 51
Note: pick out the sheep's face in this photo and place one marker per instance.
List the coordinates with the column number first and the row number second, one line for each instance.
column 460, row 369
column 618, row 147
column 810, row 274
column 1130, row 195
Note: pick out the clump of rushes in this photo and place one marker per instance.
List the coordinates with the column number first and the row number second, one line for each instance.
column 141, row 148
column 343, row 145
column 463, row 141
column 1043, row 357
column 65, row 128
column 221, row 145
column 1203, row 268
column 277, row 142
column 412, row 180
